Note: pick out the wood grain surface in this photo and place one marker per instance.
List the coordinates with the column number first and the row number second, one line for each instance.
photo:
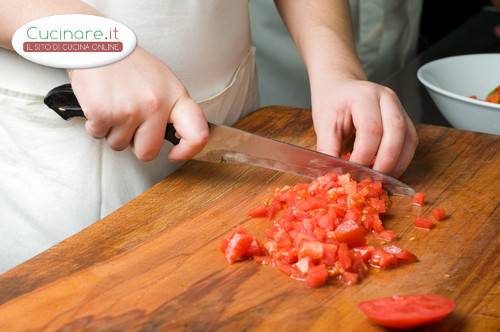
column 155, row 263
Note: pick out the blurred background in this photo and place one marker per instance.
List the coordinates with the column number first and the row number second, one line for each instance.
column 393, row 37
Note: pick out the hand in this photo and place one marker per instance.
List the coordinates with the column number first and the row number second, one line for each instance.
column 130, row 103
column 384, row 131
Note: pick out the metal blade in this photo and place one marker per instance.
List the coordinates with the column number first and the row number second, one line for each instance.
column 231, row 145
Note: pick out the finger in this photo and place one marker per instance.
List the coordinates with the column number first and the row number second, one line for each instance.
column 148, row 138
column 120, row 137
column 330, row 135
column 408, row 151
column 97, row 129
column 393, row 138
column 368, row 123
column 191, row 125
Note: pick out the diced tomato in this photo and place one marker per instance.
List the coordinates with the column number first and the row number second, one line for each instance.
column 386, row 236
column 350, row 233
column 406, row 312
column 381, row 259
column 321, row 231
column 312, row 249
column 350, row 278
column 258, row 212
column 326, row 222
column 254, row 249
column 303, row 264
column 418, row 199
column 365, row 252
column 344, row 256
column 329, row 253
column 316, row 276
column 403, row 256
column 237, row 247
column 319, row 234
column 438, row 214
column 422, row 222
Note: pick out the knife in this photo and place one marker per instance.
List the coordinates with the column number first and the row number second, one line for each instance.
column 231, row 145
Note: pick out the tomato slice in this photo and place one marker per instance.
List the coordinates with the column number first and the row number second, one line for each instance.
column 438, row 214
column 406, row 312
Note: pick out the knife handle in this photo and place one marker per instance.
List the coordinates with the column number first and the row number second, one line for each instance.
column 62, row 100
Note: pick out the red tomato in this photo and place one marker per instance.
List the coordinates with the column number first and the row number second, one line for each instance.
column 422, row 222
column 365, row 252
column 258, row 212
column 406, row 312
column 344, row 256
column 386, row 236
column 403, row 256
column 329, row 253
column 419, row 199
column 381, row 259
column 312, row 249
column 350, row 278
column 237, row 247
column 438, row 214
column 316, row 276
column 350, row 233
column 321, row 221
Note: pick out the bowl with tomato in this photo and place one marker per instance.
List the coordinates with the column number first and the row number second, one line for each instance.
column 466, row 89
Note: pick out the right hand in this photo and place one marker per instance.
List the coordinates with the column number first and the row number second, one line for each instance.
column 131, row 101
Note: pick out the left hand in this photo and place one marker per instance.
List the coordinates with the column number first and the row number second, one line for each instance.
column 384, row 132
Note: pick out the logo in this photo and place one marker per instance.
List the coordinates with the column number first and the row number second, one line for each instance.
column 74, row 41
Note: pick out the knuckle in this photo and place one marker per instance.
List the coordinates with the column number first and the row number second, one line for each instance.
column 117, row 145
column 201, row 139
column 399, row 123
column 390, row 92
column 147, row 155
column 153, row 102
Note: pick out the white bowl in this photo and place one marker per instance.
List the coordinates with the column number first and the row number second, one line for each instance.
column 451, row 81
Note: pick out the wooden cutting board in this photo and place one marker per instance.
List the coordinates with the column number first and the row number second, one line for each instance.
column 155, row 263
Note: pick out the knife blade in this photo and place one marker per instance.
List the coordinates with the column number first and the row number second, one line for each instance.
column 231, row 145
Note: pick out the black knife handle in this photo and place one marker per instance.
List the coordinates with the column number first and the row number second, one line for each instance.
column 63, row 101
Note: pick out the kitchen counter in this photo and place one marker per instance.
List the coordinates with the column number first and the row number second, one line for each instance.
column 155, row 263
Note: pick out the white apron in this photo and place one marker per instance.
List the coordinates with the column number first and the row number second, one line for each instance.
column 54, row 178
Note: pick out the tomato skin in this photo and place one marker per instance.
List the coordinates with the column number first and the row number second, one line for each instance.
column 316, row 276
column 418, row 199
column 422, row 222
column 438, row 214
column 350, row 233
column 407, row 312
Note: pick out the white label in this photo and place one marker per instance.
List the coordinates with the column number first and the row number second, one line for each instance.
column 74, row 41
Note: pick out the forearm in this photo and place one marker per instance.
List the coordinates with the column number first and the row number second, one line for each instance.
column 15, row 13
column 322, row 32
